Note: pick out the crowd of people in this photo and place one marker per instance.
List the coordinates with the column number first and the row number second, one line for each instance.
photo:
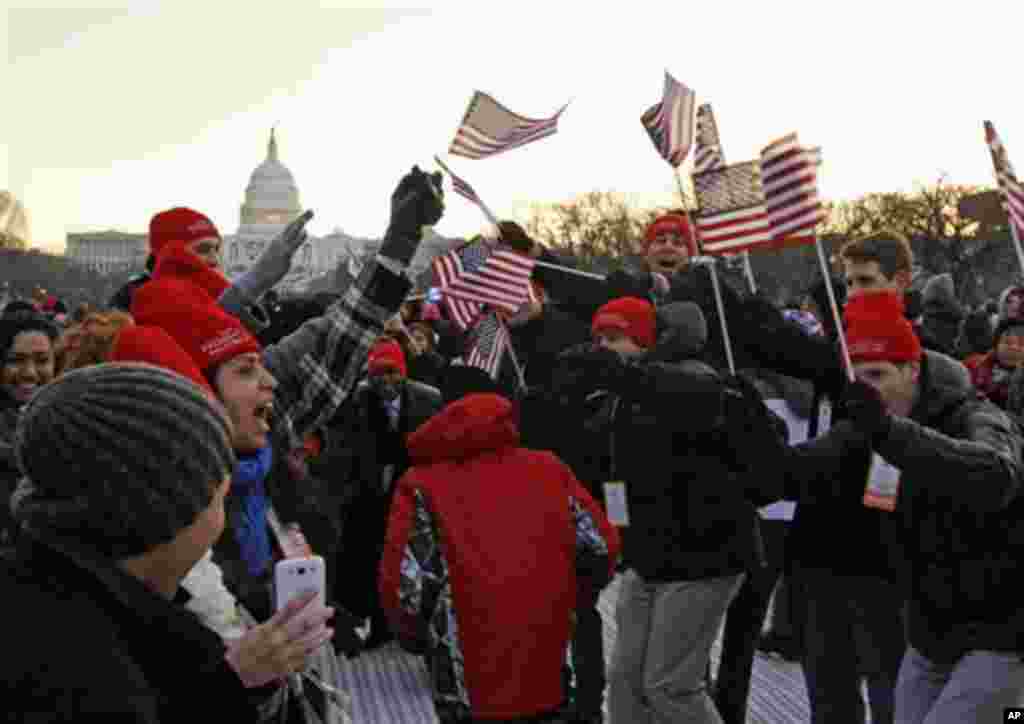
column 159, row 456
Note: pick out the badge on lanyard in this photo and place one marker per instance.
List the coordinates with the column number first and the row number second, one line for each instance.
column 883, row 485
column 615, row 503
column 824, row 417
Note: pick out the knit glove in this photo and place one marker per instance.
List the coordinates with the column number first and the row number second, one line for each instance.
column 418, row 201
column 866, row 410
column 274, row 263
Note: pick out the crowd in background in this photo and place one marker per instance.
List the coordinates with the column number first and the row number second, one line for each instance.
column 160, row 455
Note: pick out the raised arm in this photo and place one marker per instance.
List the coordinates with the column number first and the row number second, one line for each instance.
column 317, row 366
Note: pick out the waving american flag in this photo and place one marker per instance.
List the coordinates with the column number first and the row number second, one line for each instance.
column 488, row 128
column 476, row 274
column 1012, row 190
column 670, row 122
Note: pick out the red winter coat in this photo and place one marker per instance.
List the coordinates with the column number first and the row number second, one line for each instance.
column 489, row 536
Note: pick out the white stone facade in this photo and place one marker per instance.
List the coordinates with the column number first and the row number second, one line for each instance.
column 271, row 201
column 108, row 252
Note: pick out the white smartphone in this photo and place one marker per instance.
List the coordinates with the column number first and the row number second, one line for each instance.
column 299, row 576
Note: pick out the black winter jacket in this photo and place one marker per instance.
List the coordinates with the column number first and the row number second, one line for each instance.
column 88, row 642
column 957, row 520
column 664, row 431
column 961, row 505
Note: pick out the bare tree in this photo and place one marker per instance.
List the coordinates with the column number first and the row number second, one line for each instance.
column 596, row 227
column 943, row 239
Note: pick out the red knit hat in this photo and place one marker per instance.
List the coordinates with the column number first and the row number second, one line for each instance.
column 178, row 224
column 204, row 330
column 877, row 329
column 631, row 315
column 387, row 354
column 676, row 224
column 154, row 346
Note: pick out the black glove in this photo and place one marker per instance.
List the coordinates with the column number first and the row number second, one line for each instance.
column 588, row 367
column 418, row 201
column 866, row 410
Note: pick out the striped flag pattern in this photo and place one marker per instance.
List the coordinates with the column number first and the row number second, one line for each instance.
column 488, row 128
column 479, row 275
column 790, row 180
column 490, row 341
column 670, row 122
column 732, row 213
column 1013, row 191
column 707, row 154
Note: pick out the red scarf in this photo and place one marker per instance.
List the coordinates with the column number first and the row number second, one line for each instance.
column 177, row 261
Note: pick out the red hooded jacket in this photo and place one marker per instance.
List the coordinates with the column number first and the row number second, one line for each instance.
column 483, row 547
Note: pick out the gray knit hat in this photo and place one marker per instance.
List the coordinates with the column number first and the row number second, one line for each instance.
column 119, row 457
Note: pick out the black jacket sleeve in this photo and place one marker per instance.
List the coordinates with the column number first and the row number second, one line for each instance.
column 782, row 346
column 981, row 472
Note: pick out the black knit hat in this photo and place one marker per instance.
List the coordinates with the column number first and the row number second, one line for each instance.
column 119, row 457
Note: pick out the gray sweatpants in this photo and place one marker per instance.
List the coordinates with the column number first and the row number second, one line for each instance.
column 976, row 688
column 665, row 633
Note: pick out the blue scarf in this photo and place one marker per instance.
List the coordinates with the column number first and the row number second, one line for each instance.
column 250, row 520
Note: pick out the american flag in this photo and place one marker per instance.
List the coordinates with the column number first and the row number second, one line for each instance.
column 733, row 215
column 707, row 154
column 670, row 122
column 490, row 339
column 1008, row 183
column 476, row 275
column 489, row 128
column 790, row 180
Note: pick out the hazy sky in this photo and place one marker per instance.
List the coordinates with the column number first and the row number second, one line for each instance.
column 118, row 113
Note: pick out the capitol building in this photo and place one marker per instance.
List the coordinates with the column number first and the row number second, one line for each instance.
column 271, row 201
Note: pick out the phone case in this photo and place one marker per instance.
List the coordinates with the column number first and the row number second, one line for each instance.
column 297, row 576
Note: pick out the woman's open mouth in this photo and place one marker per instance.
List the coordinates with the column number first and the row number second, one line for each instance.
column 262, row 413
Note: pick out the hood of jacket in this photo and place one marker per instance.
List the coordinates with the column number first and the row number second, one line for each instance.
column 466, row 428
column 946, row 382
column 939, row 298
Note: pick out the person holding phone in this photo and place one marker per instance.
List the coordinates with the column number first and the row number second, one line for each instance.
column 126, row 468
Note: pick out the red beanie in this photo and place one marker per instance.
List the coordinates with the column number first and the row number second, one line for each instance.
column 178, row 224
column 204, row 330
column 676, row 224
column 387, row 353
column 154, row 346
column 631, row 315
column 877, row 329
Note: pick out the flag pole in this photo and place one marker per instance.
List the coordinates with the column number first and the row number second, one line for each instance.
column 479, row 202
column 835, row 309
column 512, row 354
column 749, row 271
column 727, row 342
column 494, row 221
column 715, row 285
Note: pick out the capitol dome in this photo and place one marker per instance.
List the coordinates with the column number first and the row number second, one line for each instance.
column 272, row 197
